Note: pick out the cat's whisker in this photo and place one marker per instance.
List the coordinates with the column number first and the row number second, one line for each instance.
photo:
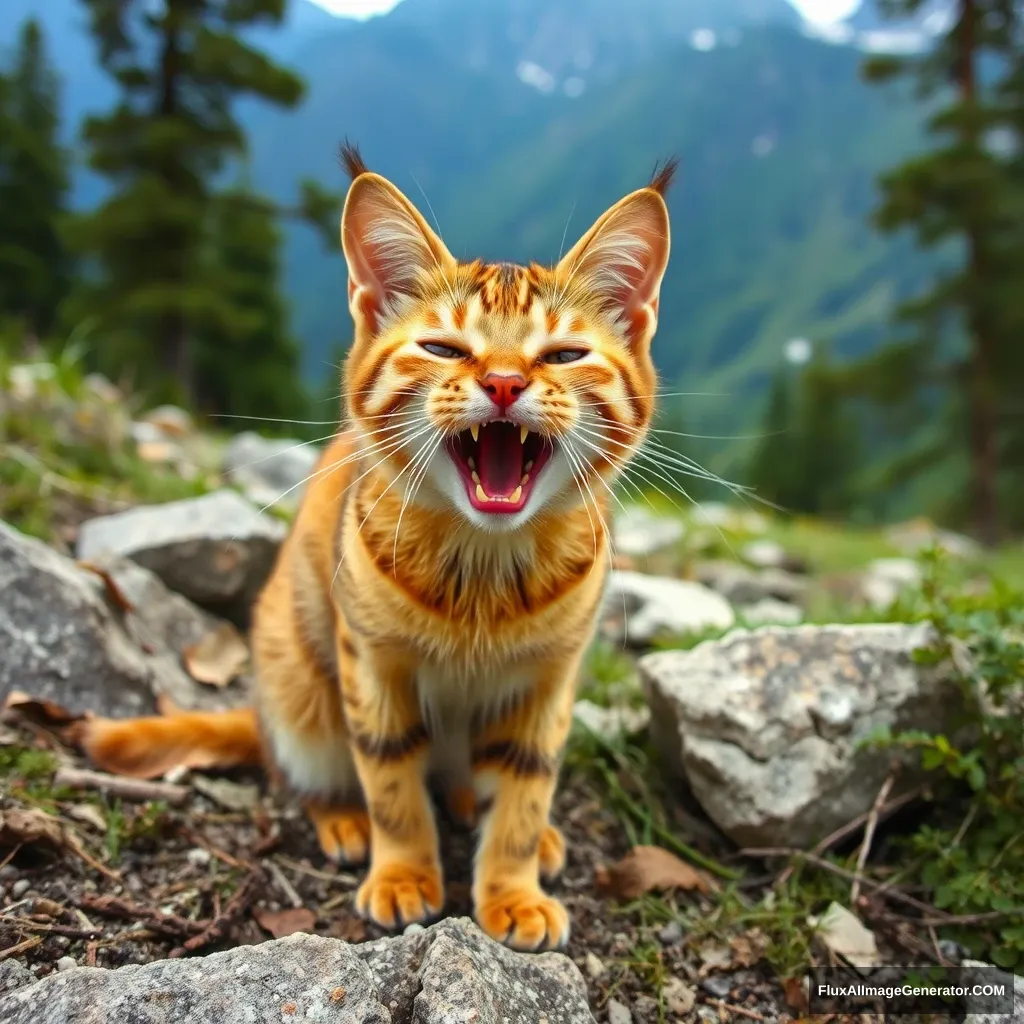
column 426, row 453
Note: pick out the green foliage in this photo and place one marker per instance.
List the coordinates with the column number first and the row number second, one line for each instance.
column 959, row 357
column 975, row 866
column 34, row 263
column 808, row 456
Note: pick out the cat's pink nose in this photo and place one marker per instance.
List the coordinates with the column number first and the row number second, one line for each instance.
column 504, row 388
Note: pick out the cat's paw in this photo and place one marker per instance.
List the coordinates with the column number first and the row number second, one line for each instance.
column 551, row 852
column 343, row 833
column 396, row 894
column 524, row 918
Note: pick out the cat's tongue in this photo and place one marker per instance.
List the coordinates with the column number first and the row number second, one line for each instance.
column 499, row 460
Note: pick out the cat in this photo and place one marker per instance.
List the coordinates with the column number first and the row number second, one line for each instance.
column 429, row 609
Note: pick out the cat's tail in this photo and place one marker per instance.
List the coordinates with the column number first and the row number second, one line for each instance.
column 146, row 748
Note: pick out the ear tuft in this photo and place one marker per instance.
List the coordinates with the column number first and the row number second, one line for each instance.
column 664, row 174
column 351, row 159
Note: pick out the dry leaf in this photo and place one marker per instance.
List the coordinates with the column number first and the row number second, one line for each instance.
column 647, row 868
column 115, row 594
column 749, row 948
column 219, row 658
column 18, row 827
column 796, row 995
column 233, row 796
column 843, row 933
column 285, row 922
column 679, row 997
column 42, row 712
column 89, row 814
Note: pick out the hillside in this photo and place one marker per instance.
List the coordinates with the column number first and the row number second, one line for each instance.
column 780, row 145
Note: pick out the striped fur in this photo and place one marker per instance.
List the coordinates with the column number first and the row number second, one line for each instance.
column 404, row 631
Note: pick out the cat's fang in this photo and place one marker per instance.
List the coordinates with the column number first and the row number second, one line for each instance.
column 524, row 433
column 475, row 431
column 480, row 493
column 515, row 495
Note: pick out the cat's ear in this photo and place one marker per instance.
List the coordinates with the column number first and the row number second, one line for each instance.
column 388, row 247
column 621, row 261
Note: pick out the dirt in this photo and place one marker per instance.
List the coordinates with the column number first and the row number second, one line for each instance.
column 180, row 868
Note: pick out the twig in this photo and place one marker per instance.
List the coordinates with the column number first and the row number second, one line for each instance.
column 225, row 858
column 218, row 928
column 820, row 862
column 55, row 929
column 157, row 920
column 139, row 790
column 302, row 869
column 741, row 1010
column 869, row 834
column 851, row 826
column 283, row 884
column 21, row 947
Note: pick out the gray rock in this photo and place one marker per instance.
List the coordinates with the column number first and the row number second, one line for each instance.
column 766, row 725
column 450, row 972
column 216, row 550
column 63, row 640
column 765, row 554
column 770, row 612
column 271, row 471
column 639, row 532
column 743, row 586
column 618, row 1013
column 13, row 975
column 612, row 722
column 918, row 535
column 67, row 963
column 657, row 605
column 887, row 578
column 982, row 973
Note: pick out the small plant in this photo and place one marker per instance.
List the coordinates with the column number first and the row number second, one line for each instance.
column 975, row 866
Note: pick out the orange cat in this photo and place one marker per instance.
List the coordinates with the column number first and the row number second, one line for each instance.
column 429, row 610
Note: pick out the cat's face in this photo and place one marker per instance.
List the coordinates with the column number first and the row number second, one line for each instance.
column 495, row 388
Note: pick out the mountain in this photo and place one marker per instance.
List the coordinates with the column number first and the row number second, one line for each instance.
column 780, row 143
column 512, row 121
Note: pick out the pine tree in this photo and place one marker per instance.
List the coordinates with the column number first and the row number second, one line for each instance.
column 180, row 67
column 248, row 364
column 959, row 198
column 34, row 264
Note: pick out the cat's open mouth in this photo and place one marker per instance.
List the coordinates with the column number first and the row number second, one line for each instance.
column 499, row 463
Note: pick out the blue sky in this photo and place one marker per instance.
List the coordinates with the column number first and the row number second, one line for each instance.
column 815, row 10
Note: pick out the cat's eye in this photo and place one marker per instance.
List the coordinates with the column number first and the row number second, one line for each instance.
column 565, row 355
column 442, row 351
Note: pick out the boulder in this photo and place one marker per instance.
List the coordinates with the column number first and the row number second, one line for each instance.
column 766, row 726
column 216, row 550
column 988, row 1009
column 640, row 608
column 450, row 972
column 63, row 639
column 639, row 532
column 741, row 585
column 271, row 471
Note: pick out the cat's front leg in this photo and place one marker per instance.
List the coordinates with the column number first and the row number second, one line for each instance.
column 515, row 763
column 390, row 745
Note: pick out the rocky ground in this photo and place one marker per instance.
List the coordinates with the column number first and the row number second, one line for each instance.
column 730, row 824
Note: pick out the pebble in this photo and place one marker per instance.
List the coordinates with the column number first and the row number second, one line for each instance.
column 198, row 857
column 413, row 929
column 618, row 1014
column 67, row 963
column 718, row 985
column 8, row 873
column 679, row 997
column 671, row 933
column 594, row 965
column 20, row 887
